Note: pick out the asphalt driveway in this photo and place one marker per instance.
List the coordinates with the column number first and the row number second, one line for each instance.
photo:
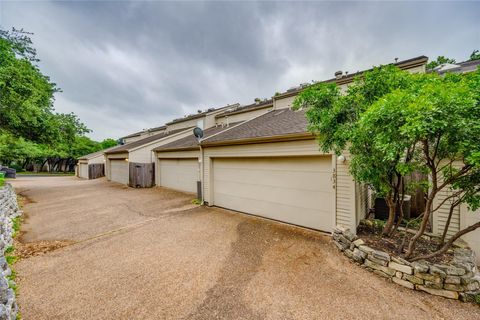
column 150, row 254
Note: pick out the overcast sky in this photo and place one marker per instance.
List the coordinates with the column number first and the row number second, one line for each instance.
column 126, row 66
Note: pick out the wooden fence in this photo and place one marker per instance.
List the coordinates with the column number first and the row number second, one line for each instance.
column 141, row 175
column 96, row 170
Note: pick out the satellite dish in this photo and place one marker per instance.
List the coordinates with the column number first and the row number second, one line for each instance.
column 198, row 133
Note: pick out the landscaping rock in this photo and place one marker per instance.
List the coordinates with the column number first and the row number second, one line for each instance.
column 8, row 211
column 453, row 280
column 400, row 267
column 365, row 249
column 459, row 279
column 376, row 266
column 438, row 292
column 453, row 287
column 436, row 270
column 455, row 271
column 359, row 256
column 420, row 266
column 349, row 235
column 358, row 242
column 413, row 279
column 404, row 283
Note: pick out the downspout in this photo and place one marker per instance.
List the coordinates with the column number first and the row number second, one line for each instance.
column 200, row 175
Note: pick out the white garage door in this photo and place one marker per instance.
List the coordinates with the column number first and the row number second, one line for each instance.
column 83, row 170
column 295, row 190
column 179, row 174
column 119, row 171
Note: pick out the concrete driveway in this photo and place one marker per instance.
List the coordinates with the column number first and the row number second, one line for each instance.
column 150, row 254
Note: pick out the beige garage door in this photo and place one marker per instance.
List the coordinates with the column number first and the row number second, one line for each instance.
column 293, row 190
column 179, row 174
column 83, row 170
column 119, row 171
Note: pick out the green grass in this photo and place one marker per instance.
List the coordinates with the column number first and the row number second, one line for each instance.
column 46, row 173
column 2, row 182
column 16, row 225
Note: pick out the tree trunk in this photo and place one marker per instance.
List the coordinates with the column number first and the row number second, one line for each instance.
column 387, row 229
column 449, row 242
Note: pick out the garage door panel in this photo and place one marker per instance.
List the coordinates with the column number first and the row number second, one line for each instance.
column 293, row 190
column 179, row 174
column 309, row 217
column 83, row 170
column 282, row 195
column 304, row 180
column 119, row 171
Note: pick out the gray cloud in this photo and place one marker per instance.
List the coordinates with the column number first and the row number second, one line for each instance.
column 125, row 66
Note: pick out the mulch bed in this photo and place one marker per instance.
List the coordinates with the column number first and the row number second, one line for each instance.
column 391, row 245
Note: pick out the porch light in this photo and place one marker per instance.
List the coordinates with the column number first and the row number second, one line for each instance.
column 341, row 158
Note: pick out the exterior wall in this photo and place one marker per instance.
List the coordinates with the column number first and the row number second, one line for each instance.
column 346, row 197
column 283, row 103
column 144, row 154
column 185, row 124
column 461, row 218
column 467, row 218
column 345, row 188
column 97, row 159
column 243, row 116
column 132, row 139
column 172, row 155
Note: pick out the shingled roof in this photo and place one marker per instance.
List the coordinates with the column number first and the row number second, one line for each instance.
column 283, row 122
column 132, row 145
column 190, row 142
column 95, row 154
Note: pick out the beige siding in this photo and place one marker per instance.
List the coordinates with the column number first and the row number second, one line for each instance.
column 440, row 217
column 283, row 103
column 346, row 195
column 467, row 218
column 97, row 159
column 144, row 154
column 185, row 124
column 461, row 218
column 242, row 116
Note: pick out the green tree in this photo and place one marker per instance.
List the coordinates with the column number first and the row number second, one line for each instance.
column 393, row 123
column 475, row 55
column 108, row 143
column 440, row 60
column 334, row 118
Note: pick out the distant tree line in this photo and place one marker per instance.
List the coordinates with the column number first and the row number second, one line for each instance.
column 32, row 135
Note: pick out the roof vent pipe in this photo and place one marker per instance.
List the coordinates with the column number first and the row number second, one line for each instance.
column 338, row 74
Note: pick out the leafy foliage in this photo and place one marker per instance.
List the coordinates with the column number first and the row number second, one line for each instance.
column 30, row 129
column 475, row 55
column 440, row 60
column 394, row 123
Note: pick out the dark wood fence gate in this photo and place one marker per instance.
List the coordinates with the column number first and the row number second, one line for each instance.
column 141, row 175
column 96, row 170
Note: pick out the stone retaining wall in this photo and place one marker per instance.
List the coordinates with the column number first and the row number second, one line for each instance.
column 457, row 280
column 8, row 210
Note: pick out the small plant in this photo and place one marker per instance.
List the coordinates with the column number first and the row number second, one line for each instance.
column 196, row 201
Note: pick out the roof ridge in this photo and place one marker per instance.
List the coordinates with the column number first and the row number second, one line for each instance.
column 235, row 126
